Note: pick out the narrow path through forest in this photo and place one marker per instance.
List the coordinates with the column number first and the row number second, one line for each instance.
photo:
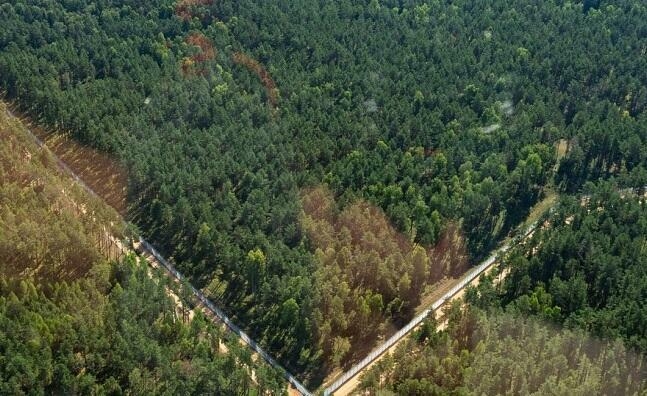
column 156, row 259
column 348, row 381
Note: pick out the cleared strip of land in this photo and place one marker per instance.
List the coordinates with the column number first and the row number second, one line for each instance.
column 349, row 380
column 156, row 260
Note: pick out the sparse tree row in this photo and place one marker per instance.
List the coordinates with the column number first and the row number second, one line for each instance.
column 440, row 118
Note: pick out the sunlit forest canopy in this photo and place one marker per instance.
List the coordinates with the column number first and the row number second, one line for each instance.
column 506, row 354
column 73, row 319
column 442, row 114
column 567, row 319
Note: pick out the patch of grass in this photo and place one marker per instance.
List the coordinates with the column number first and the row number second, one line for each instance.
column 541, row 207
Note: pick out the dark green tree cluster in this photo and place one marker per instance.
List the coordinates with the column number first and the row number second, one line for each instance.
column 437, row 112
column 584, row 271
column 115, row 336
column 587, row 268
column 606, row 143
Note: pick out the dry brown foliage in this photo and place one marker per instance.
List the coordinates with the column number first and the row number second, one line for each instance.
column 193, row 64
column 184, row 8
column 254, row 66
column 368, row 273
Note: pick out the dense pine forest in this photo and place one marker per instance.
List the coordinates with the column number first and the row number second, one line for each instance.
column 74, row 322
column 314, row 165
column 504, row 353
column 568, row 319
column 587, row 268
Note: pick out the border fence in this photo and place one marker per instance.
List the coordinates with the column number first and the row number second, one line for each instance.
column 472, row 274
column 467, row 279
column 173, row 272
column 225, row 319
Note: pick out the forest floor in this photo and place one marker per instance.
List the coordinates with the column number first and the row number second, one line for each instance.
column 182, row 310
column 434, row 292
column 541, row 207
column 98, row 170
column 562, row 148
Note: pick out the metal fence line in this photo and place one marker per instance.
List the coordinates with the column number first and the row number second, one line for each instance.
column 171, row 270
column 472, row 274
column 225, row 319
